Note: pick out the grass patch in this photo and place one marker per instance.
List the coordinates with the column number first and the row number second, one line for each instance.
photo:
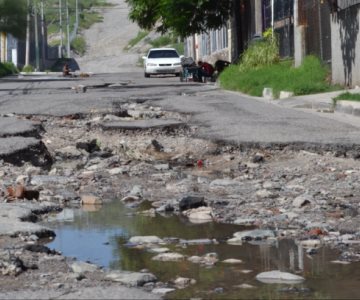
column 54, row 43
column 52, row 28
column 88, row 18
column 79, row 45
column 309, row 78
column 348, row 96
column 137, row 39
column 8, row 68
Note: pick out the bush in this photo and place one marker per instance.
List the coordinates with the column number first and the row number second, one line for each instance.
column 8, row 68
column 12, row 69
column 261, row 53
column 79, row 45
column 28, row 69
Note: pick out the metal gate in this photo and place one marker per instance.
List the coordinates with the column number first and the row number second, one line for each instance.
column 284, row 26
column 315, row 15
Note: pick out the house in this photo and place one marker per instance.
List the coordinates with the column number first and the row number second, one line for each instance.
column 329, row 29
column 250, row 18
column 13, row 49
column 10, row 49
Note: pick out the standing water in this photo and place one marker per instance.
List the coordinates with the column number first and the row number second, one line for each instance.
column 101, row 236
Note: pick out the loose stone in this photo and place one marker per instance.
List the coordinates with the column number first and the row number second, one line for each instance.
column 279, row 277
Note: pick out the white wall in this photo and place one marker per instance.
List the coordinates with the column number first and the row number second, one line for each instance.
column 345, row 46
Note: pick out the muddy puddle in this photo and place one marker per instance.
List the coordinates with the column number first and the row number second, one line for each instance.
column 101, row 236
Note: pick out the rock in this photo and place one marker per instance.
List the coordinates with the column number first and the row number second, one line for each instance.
column 138, row 240
column 256, row 234
column 310, row 244
column 149, row 213
column 340, row 262
column 244, row 221
column 207, row 259
column 268, row 93
column 279, row 277
column 89, row 147
column 131, row 279
column 136, row 191
column 182, row 282
column 90, row 200
column 42, row 180
column 350, row 226
column 199, row 215
column 162, row 291
column 116, row 171
column 302, row 200
column 130, row 198
column 31, row 171
column 157, row 146
column 69, row 152
column 40, row 248
column 232, row 261
column 245, row 286
column 79, row 88
column 159, row 250
column 190, row 202
column 172, row 256
column 197, row 242
column 11, row 265
column 218, row 290
column 258, row 158
column 162, row 167
column 285, row 94
column 263, row 194
column 224, row 183
column 165, row 208
column 195, row 259
column 82, row 267
column 87, row 175
column 22, row 179
column 31, row 195
column 19, row 191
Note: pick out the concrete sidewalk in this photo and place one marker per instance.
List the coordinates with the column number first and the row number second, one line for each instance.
column 323, row 102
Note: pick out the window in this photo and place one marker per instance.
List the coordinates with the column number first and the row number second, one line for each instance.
column 163, row 54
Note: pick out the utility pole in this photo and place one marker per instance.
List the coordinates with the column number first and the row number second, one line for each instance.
column 272, row 15
column 68, row 29
column 61, row 29
column 37, row 57
column 77, row 12
column 43, row 49
column 27, row 47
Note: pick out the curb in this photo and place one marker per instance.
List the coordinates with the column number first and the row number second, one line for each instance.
column 348, row 107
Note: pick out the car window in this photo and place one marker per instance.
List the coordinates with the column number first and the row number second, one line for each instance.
column 163, row 54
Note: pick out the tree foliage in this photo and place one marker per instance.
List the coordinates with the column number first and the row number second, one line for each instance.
column 183, row 17
column 13, row 17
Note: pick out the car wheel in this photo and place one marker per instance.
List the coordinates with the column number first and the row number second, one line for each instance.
column 147, row 75
column 177, row 74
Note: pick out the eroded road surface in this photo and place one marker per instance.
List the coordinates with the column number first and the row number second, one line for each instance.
column 186, row 149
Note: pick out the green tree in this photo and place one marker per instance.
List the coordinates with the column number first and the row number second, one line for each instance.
column 13, row 17
column 183, row 17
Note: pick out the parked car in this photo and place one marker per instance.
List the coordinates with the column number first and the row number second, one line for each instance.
column 162, row 61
